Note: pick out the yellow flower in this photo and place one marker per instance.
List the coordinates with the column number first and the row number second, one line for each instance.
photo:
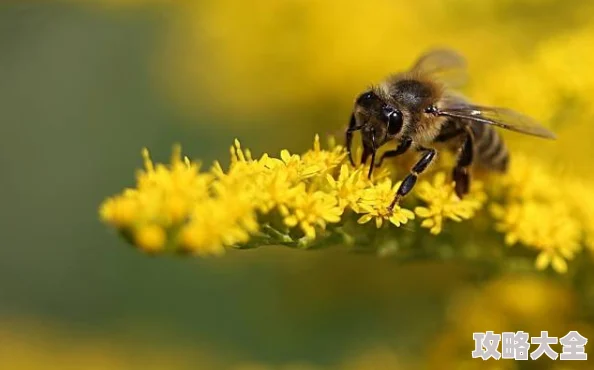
column 119, row 211
column 309, row 210
column 528, row 179
column 375, row 202
column 326, row 160
column 164, row 195
column 242, row 166
column 294, row 165
column 552, row 215
column 547, row 227
column 273, row 189
column 217, row 223
column 349, row 186
column 442, row 202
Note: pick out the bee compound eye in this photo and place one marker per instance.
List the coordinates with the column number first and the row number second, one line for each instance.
column 395, row 122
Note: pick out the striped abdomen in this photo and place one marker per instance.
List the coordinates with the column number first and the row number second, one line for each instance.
column 491, row 152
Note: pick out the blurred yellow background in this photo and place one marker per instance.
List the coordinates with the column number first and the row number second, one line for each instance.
column 85, row 84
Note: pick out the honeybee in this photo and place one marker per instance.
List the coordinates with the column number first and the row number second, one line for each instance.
column 418, row 109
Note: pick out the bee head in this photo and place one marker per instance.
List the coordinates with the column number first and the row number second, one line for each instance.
column 371, row 110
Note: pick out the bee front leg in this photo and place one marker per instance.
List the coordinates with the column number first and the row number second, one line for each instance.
column 460, row 173
column 349, row 137
column 409, row 181
column 400, row 149
column 373, row 150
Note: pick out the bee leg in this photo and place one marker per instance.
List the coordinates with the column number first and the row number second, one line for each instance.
column 410, row 180
column 448, row 135
column 349, row 137
column 400, row 149
column 460, row 173
column 373, row 151
column 371, row 165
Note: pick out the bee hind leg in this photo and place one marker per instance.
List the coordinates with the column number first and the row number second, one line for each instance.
column 411, row 179
column 460, row 173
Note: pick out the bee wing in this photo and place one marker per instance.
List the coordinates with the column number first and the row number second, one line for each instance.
column 501, row 117
column 444, row 65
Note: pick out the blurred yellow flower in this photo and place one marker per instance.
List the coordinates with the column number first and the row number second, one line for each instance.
column 555, row 78
column 151, row 238
column 294, row 52
column 548, row 227
column 219, row 222
column 503, row 304
column 29, row 343
column 297, row 55
column 552, row 214
column 582, row 197
column 163, row 199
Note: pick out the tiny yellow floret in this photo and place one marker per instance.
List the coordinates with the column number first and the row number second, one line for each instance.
column 150, row 238
column 442, row 202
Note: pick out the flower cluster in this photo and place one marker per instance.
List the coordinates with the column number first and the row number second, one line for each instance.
column 286, row 199
column 306, row 200
column 552, row 214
